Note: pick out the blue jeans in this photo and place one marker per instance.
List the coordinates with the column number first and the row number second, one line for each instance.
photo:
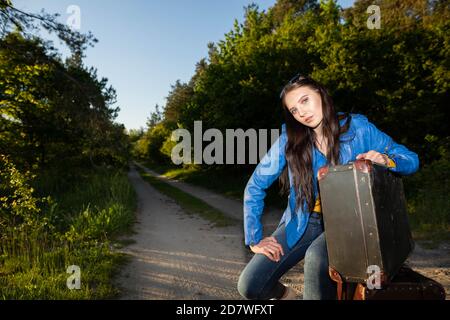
column 260, row 278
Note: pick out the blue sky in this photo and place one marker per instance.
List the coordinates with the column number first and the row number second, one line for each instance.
column 145, row 46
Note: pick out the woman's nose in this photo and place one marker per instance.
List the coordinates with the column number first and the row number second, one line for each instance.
column 302, row 112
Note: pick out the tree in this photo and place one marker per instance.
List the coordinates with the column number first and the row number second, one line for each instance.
column 155, row 117
column 51, row 112
column 12, row 19
column 283, row 8
column 389, row 74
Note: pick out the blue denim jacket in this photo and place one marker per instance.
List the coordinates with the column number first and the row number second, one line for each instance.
column 361, row 137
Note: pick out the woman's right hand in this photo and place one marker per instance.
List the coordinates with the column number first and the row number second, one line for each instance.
column 270, row 247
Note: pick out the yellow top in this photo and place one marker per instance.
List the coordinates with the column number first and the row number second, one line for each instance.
column 317, row 207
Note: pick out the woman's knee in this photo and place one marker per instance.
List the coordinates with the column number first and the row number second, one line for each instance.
column 316, row 257
column 249, row 287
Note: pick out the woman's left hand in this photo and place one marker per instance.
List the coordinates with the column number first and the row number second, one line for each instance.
column 373, row 156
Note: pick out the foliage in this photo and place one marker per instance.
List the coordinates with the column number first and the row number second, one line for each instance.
column 59, row 202
column 397, row 75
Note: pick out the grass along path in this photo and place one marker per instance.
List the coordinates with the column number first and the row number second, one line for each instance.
column 87, row 214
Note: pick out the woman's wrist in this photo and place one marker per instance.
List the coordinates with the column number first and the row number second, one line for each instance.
column 388, row 161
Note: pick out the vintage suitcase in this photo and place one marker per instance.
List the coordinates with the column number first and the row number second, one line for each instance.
column 365, row 219
column 407, row 284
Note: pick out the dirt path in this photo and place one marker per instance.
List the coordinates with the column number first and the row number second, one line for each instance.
column 178, row 256
column 231, row 207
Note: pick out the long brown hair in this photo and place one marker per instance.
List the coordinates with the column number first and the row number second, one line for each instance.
column 301, row 140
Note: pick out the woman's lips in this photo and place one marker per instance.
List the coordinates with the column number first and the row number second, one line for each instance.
column 309, row 119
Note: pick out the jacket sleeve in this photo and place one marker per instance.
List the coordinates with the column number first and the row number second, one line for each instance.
column 406, row 161
column 265, row 173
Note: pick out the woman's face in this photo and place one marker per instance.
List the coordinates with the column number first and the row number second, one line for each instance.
column 305, row 104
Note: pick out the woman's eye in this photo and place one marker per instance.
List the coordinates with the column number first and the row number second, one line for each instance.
column 305, row 100
column 294, row 111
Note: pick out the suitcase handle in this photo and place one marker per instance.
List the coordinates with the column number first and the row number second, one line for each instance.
column 361, row 164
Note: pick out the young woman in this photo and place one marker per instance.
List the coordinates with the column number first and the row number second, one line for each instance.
column 314, row 135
